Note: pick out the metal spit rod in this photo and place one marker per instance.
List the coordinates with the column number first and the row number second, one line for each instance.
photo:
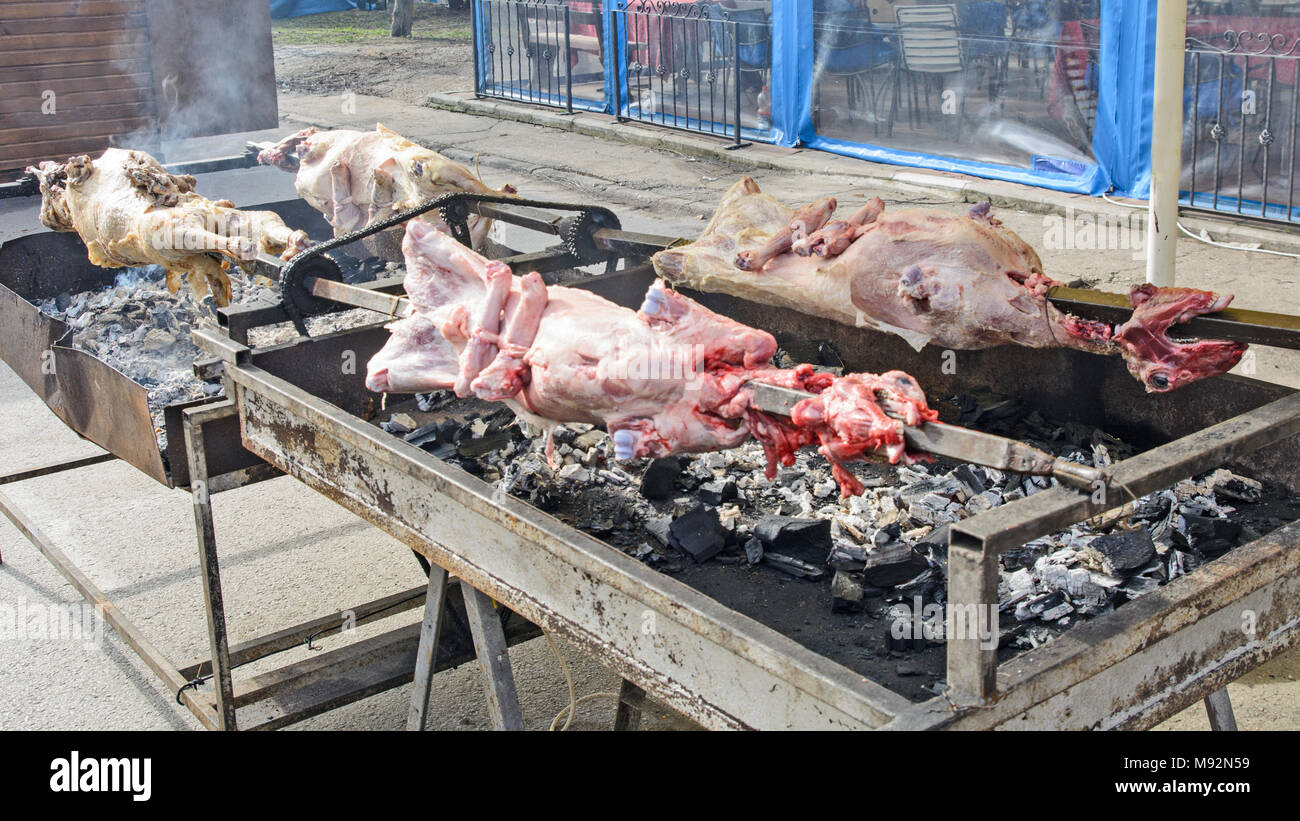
column 971, row 446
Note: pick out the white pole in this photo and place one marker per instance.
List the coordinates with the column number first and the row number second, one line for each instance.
column 1166, row 141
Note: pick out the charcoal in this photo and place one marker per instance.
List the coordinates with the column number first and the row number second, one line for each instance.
column 589, row 440
column 395, row 427
column 1120, row 552
column 888, row 533
column 1229, row 485
column 970, row 480
column 574, row 473
column 848, row 556
column 807, row 538
column 846, row 593
column 492, row 439
column 659, row 526
column 987, row 412
column 793, row 566
column 934, row 488
column 1139, row 586
column 698, row 534
column 892, row 564
column 753, row 550
column 658, row 481
column 828, row 356
column 1036, row 607
column 1206, row 536
column 426, row 435
column 719, row 491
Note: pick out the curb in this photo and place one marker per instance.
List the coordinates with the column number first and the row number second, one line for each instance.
column 907, row 180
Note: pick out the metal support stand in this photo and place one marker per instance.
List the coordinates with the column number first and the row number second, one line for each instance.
column 490, row 646
column 494, row 661
column 1219, row 708
column 214, row 603
column 296, row 691
column 426, row 654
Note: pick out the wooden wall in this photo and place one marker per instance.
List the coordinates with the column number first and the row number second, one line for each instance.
column 129, row 71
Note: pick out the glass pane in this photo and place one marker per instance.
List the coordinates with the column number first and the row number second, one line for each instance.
column 1240, row 108
column 1012, row 82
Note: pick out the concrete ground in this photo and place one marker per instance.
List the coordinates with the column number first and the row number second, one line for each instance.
column 288, row 554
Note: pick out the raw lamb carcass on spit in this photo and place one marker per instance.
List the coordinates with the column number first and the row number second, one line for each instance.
column 929, row 276
column 356, row 178
column 130, row 211
column 672, row 377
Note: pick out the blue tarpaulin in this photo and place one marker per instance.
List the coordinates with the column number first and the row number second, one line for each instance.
column 298, row 8
column 1121, row 143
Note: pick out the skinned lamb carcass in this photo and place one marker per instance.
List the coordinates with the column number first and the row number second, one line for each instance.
column 961, row 282
column 671, row 378
column 356, row 178
column 130, row 211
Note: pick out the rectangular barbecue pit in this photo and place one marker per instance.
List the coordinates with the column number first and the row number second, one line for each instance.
column 787, row 640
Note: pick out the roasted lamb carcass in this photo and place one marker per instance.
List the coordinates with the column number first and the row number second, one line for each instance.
column 356, row 178
column 130, row 211
column 959, row 281
column 672, row 377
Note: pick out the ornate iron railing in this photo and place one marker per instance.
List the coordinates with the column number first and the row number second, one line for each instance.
column 1241, row 115
column 534, row 51
column 693, row 66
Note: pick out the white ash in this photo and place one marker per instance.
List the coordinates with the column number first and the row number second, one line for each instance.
column 140, row 329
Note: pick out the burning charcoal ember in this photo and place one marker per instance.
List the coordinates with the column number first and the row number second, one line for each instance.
column 810, row 538
column 795, row 567
column 1229, row 485
column 698, row 534
column 892, row 564
column 1119, row 553
column 718, row 491
column 846, row 593
column 659, row 479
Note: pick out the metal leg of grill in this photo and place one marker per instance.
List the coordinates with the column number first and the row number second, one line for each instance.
column 1219, row 708
column 194, row 419
column 494, row 660
column 427, row 654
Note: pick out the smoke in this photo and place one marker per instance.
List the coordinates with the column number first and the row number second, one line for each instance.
column 213, row 72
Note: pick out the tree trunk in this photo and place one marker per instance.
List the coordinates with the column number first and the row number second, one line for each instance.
column 403, row 18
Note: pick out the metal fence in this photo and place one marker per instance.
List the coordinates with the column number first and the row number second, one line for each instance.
column 697, row 67
column 538, row 51
column 1242, row 110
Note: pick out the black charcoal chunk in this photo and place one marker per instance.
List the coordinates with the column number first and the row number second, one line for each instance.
column 793, row 566
column 892, row 564
column 848, row 556
column 1229, row 485
column 659, row 477
column 719, row 491
column 970, row 479
column 698, row 533
column 1120, row 552
column 805, row 538
column 658, row 527
column 1205, row 535
column 753, row 550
